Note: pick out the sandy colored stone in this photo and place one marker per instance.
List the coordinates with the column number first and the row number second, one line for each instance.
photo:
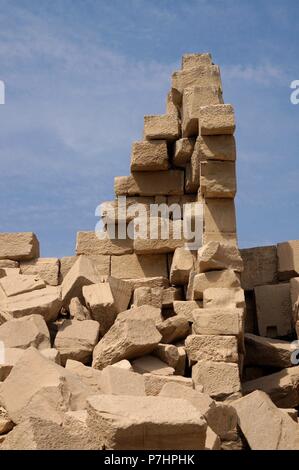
column 185, row 309
column 154, row 423
column 219, row 379
column 212, row 348
column 217, row 321
column 223, row 237
column 52, row 355
column 218, row 256
column 225, row 298
column 202, row 281
column 150, row 183
column 171, row 107
column 124, row 364
column 274, row 310
column 218, row 119
column 118, row 381
column 18, row 246
column 201, row 75
column 267, row 351
column 272, row 429
column 192, row 175
column 165, row 126
column 172, row 355
column 151, row 365
column 91, row 377
column 151, row 282
column 161, row 236
column 194, row 60
column 291, row 412
column 144, row 312
column 260, row 266
column 154, row 383
column 294, row 291
column 78, row 311
column 149, row 156
column 126, row 339
column 173, row 329
column 5, row 423
column 89, row 244
column 46, row 268
column 10, row 358
column 77, row 339
column 219, row 216
column 183, row 150
column 212, row 440
column 25, row 332
column 65, row 265
column 20, row 284
column 288, row 259
column 217, row 179
column 157, row 296
column 216, row 147
column 9, row 272
column 8, row 263
column 140, row 266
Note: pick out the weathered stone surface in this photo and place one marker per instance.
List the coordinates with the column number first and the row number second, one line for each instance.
column 11, row 357
column 216, row 147
column 140, row 266
column 118, row 381
column 267, row 352
column 151, row 365
column 165, row 126
column 9, row 272
column 126, row 339
column 201, row 75
column 212, row 440
column 190, row 61
column 218, row 256
column 217, row 321
column 151, row 282
column 282, row 387
column 5, row 423
column 150, row 183
column 77, row 339
column 288, row 259
column 18, row 246
column 8, row 264
column 192, row 175
column 183, row 150
column 45, row 302
column 217, row 179
column 260, row 266
column 185, row 308
column 225, row 298
column 216, row 119
column 171, row 107
column 226, row 278
column 219, row 216
column 78, row 311
column 172, row 355
column 154, row 423
column 161, row 236
column 124, row 364
column 182, row 263
column 272, row 429
column 274, row 310
column 157, row 297
column 219, row 379
column 51, row 354
column 46, row 268
column 89, row 244
column 91, row 377
column 291, row 412
column 144, row 312
column 154, row 383
column 294, row 291
column 47, row 389
column 65, row 265
column 223, row 237
column 20, row 284
column 173, row 329
column 212, row 348
column 149, row 156
column 25, row 332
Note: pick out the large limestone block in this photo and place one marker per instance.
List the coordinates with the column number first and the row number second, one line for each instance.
column 65, row 265
column 183, row 150
column 153, row 423
column 173, row 329
column 165, row 126
column 89, row 244
column 225, row 298
column 282, row 387
column 274, row 310
column 78, row 311
column 288, row 259
column 46, row 268
column 144, row 312
column 219, row 216
column 118, row 381
column 126, row 339
column 260, row 266
column 154, row 383
column 267, row 352
column 202, row 281
column 18, row 246
column 201, row 75
column 193, row 99
column 9, row 360
column 157, row 297
column 186, row 308
column 219, row 379
column 264, row 426
column 48, row 389
column 82, row 273
column 45, row 302
column 25, row 332
column 161, row 236
column 150, row 183
column 218, row 179
column 190, row 61
column 90, row 377
column 223, row 237
column 20, row 284
column 139, row 266
column 152, row 282
column 52, row 354
column 212, row 348
column 9, row 264
column 77, row 339
column 217, row 321
column 149, row 156
column 216, row 256
column 151, row 365
column 9, row 272
column 216, row 147
column 216, row 119
column 174, row 356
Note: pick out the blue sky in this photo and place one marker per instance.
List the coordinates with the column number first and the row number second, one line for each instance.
column 81, row 74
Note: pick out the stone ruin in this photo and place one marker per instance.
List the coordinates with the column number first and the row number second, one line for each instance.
column 145, row 343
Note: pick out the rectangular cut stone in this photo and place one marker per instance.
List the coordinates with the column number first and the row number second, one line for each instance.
column 171, row 107
column 260, row 266
column 151, row 282
column 20, row 284
column 294, row 288
column 217, row 321
column 212, row 348
column 154, row 383
column 216, row 147
column 89, row 244
column 190, row 61
column 217, row 179
column 183, row 262
column 219, row 216
column 226, row 278
column 150, row 183
column 201, row 75
column 274, row 310
column 193, row 99
column 82, row 273
column 65, row 265
column 18, row 246
column 46, row 268
column 230, row 238
column 267, row 352
column 219, row 379
column 165, row 126
column 161, row 236
column 221, row 297
column 216, row 120
column 149, row 156
column 288, row 259
column 183, row 151
column 186, row 308
column 139, row 266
